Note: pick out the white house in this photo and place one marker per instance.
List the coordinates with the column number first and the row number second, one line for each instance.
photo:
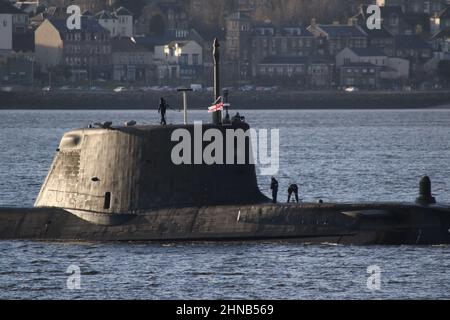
column 6, row 42
column 125, row 22
column 179, row 59
column 108, row 21
column 396, row 68
column 390, row 68
column 359, row 55
column 12, row 21
column 119, row 23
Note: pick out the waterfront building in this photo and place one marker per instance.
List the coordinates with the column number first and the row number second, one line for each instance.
column 119, row 23
column 334, row 37
column 179, row 60
column 86, row 52
column 287, row 41
column 131, row 61
column 441, row 44
column 362, row 75
column 353, row 63
column 237, row 47
column 303, row 72
column 163, row 18
column 13, row 21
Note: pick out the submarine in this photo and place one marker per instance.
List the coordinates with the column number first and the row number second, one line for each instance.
column 119, row 183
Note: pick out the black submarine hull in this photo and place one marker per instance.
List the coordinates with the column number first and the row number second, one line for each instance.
column 358, row 224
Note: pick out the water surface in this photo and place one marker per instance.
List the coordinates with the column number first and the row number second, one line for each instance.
column 345, row 155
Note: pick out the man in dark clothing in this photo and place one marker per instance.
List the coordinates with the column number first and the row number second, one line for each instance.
column 274, row 188
column 293, row 188
column 162, row 110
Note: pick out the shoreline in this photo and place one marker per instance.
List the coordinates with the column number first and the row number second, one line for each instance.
column 253, row 100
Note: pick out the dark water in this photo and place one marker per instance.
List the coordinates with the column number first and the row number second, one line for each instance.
column 333, row 155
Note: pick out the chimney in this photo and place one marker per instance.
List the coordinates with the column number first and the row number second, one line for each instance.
column 352, row 22
column 313, row 23
column 336, row 23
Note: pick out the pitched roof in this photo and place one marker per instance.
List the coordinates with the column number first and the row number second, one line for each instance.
column 179, row 43
column 284, row 60
column 6, row 7
column 300, row 31
column 342, row 30
column 368, row 52
column 87, row 25
column 445, row 14
column 293, row 31
column 411, row 42
column 444, row 33
column 104, row 15
column 27, row 7
column 123, row 12
column 388, row 10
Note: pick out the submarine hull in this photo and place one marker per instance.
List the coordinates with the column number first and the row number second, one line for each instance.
column 359, row 224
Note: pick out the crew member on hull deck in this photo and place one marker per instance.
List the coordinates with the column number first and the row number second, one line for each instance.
column 162, row 110
column 293, row 189
column 274, row 188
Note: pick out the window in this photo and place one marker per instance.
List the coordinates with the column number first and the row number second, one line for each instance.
column 5, row 23
column 195, row 59
column 290, row 70
column 184, row 58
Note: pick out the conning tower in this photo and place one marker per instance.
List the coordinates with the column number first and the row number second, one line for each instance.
column 125, row 170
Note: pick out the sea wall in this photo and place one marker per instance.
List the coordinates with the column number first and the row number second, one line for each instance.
column 239, row 100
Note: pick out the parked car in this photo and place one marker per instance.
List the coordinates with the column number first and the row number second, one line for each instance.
column 6, row 89
column 196, row 87
column 46, row 89
column 247, row 88
column 119, row 89
column 351, row 89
